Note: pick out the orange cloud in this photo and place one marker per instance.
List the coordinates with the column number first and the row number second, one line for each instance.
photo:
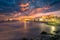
column 38, row 10
column 24, row 5
column 23, row 9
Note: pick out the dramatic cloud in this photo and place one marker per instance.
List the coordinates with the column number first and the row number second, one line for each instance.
column 8, row 7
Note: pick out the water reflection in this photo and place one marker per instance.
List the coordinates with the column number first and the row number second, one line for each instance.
column 39, row 26
column 28, row 29
column 47, row 28
column 25, row 25
column 53, row 29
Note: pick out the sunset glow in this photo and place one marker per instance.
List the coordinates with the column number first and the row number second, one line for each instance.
column 29, row 19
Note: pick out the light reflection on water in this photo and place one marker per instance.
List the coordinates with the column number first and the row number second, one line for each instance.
column 42, row 27
column 16, row 30
column 53, row 28
column 48, row 28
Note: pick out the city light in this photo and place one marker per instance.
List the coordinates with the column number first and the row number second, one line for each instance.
column 41, row 19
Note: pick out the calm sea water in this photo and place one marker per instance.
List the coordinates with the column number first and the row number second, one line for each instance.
column 19, row 30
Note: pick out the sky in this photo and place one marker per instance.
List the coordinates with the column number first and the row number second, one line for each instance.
column 17, row 8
